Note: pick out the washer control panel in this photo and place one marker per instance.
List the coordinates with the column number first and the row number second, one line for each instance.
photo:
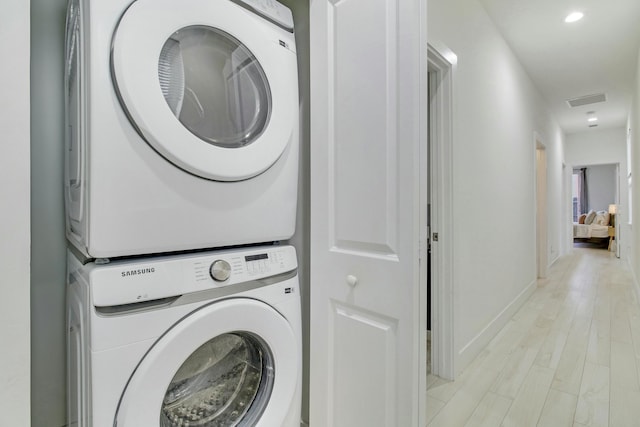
column 126, row 282
column 244, row 267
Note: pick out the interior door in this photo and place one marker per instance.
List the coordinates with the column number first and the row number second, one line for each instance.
column 368, row 308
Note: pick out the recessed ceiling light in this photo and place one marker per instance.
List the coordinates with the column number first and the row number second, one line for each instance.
column 592, row 119
column 574, row 16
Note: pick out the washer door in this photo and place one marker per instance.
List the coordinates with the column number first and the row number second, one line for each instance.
column 230, row 363
column 207, row 84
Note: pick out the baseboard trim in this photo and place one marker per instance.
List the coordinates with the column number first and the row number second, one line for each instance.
column 480, row 341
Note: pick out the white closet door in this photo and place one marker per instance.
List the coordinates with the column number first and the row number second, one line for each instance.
column 368, row 309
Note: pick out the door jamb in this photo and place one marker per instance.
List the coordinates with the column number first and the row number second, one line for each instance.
column 437, row 170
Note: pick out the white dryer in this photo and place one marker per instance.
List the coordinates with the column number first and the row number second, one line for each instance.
column 208, row 339
column 182, row 125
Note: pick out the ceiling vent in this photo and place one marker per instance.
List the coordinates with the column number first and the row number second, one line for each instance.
column 593, row 126
column 586, row 100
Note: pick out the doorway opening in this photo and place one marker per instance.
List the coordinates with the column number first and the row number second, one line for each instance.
column 436, row 267
column 595, row 199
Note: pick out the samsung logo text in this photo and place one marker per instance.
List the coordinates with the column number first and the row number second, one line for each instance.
column 138, row 272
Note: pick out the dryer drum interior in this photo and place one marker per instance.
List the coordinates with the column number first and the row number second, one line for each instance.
column 226, row 382
column 215, row 86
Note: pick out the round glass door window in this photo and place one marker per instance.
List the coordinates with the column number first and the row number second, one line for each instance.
column 215, row 86
column 226, row 382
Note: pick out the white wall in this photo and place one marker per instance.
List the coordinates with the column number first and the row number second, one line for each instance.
column 602, row 186
column 598, row 147
column 48, row 256
column 497, row 109
column 15, row 224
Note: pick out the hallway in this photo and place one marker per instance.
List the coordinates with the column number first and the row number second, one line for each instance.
column 569, row 357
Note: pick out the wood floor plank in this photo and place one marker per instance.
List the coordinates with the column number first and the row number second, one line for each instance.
column 551, row 349
column 558, row 410
column 624, row 407
column 456, row 412
column 634, row 321
column 620, row 326
column 599, row 349
column 568, row 375
column 528, row 404
column 515, row 371
column 623, row 363
column 472, row 387
column 433, row 407
column 593, row 402
column 490, row 412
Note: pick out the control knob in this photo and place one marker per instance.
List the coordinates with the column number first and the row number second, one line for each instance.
column 220, row 270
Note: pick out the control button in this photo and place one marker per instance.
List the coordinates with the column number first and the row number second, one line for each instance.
column 220, row 270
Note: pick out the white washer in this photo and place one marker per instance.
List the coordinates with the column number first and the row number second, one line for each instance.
column 182, row 125
column 208, row 339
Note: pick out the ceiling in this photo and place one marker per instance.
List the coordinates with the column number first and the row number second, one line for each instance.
column 597, row 54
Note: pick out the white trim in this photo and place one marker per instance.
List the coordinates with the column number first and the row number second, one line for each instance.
column 617, row 202
column 480, row 341
column 568, row 221
column 439, row 172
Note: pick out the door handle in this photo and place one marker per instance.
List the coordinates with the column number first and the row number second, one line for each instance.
column 352, row 280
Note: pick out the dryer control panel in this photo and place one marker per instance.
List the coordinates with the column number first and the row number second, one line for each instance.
column 127, row 282
column 273, row 11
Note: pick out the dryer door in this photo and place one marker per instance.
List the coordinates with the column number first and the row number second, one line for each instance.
column 231, row 363
column 74, row 118
column 209, row 85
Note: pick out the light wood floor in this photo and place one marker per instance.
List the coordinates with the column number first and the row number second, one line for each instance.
column 570, row 357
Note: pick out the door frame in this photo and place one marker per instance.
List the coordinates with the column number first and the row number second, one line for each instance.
column 436, row 176
column 541, row 213
column 567, row 172
column 617, row 202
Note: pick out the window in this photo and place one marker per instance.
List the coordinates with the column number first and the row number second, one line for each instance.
column 579, row 193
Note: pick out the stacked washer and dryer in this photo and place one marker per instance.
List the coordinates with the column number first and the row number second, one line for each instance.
column 180, row 183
